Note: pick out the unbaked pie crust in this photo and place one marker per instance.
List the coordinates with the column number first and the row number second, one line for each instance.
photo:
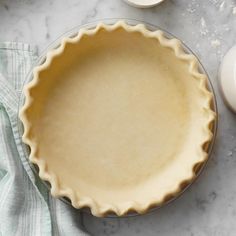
column 117, row 118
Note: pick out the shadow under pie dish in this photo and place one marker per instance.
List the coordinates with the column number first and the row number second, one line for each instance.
column 117, row 118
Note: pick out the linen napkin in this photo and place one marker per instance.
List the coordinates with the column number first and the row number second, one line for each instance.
column 26, row 207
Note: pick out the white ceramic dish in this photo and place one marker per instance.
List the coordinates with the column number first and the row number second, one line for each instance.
column 144, row 3
column 227, row 78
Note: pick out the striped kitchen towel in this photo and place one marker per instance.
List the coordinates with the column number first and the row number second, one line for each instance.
column 26, row 207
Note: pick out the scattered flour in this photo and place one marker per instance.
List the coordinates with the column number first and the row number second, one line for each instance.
column 191, row 7
column 203, row 22
column 227, row 28
column 214, row 1
column 204, row 29
column 234, row 10
column 191, row 10
column 215, row 43
column 222, row 6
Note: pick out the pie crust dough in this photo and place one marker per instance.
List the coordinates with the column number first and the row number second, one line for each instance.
column 117, row 118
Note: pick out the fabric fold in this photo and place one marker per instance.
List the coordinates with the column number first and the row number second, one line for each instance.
column 25, row 203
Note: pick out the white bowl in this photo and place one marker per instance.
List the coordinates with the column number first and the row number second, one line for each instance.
column 143, row 3
column 227, row 78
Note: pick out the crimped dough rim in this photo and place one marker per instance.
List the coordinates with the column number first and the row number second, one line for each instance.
column 96, row 208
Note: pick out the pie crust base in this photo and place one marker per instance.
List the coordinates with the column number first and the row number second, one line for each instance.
column 117, row 118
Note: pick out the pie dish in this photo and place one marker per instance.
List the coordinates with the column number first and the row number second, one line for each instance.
column 117, row 118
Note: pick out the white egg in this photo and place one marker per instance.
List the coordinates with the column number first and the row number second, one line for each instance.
column 227, row 78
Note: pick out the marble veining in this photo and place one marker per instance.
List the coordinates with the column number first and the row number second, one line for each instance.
column 208, row 208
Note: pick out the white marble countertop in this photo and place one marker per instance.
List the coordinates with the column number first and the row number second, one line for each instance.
column 208, row 208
